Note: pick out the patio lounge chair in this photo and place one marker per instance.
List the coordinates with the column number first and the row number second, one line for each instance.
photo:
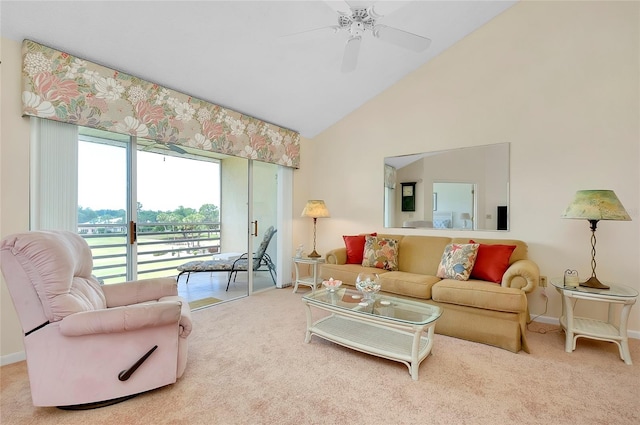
column 261, row 262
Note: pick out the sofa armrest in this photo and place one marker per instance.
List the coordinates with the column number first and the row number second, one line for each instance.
column 121, row 319
column 522, row 274
column 336, row 256
column 138, row 291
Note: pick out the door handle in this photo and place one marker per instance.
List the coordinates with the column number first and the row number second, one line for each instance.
column 132, row 232
column 255, row 228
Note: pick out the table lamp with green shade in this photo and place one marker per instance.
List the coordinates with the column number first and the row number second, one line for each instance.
column 595, row 205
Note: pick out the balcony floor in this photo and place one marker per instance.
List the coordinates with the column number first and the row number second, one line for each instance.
column 213, row 285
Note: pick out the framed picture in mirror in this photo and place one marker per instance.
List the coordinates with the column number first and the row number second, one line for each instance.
column 408, row 196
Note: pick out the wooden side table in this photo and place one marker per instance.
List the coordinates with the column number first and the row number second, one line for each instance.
column 576, row 327
column 312, row 280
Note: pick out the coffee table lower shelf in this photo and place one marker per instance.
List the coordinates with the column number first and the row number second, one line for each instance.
column 405, row 344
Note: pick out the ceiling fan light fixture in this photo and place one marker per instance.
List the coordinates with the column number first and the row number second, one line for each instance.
column 357, row 22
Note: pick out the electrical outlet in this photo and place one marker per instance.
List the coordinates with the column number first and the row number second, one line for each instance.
column 543, row 281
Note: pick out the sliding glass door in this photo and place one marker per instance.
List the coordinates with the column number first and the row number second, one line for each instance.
column 103, row 212
column 144, row 208
column 264, row 213
column 177, row 208
column 147, row 208
column 250, row 227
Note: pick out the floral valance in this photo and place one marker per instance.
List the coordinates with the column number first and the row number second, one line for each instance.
column 61, row 87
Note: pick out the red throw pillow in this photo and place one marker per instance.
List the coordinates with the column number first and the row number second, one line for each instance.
column 355, row 248
column 492, row 261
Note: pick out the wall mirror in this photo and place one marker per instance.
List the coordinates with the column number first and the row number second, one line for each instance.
column 464, row 189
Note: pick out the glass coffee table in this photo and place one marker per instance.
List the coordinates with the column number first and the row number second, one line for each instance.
column 388, row 326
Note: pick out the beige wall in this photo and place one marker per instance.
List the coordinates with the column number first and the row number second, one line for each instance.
column 560, row 82
column 14, row 178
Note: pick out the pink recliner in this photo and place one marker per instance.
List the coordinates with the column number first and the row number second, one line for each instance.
column 89, row 344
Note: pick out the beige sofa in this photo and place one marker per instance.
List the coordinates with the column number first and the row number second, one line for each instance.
column 475, row 310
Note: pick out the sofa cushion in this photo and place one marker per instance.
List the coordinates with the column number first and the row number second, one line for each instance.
column 421, row 254
column 457, row 261
column 409, row 284
column 355, row 248
column 380, row 252
column 492, row 261
column 479, row 294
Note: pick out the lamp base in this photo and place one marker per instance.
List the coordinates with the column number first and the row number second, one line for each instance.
column 593, row 282
column 314, row 254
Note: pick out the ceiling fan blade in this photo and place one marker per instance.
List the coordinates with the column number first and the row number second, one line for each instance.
column 401, row 38
column 339, row 6
column 351, row 51
column 311, row 34
column 384, row 8
column 359, row 4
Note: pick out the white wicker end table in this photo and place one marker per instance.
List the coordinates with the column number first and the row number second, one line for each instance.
column 314, row 279
column 576, row 327
column 389, row 327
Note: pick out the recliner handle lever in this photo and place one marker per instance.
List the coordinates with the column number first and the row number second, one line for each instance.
column 36, row 328
column 126, row 374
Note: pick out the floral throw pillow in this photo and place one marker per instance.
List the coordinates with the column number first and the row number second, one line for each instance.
column 457, row 261
column 380, row 252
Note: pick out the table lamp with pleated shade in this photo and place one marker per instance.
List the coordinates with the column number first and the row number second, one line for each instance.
column 315, row 209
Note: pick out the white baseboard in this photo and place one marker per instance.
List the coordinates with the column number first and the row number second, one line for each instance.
column 555, row 321
column 13, row 358
column 548, row 320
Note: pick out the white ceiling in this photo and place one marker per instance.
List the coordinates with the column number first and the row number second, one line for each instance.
column 231, row 53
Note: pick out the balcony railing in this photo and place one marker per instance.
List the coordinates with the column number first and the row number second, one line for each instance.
column 161, row 247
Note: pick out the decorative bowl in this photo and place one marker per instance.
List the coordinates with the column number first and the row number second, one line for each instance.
column 331, row 284
column 368, row 284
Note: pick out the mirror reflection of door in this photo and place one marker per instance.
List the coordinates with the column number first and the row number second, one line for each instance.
column 456, row 205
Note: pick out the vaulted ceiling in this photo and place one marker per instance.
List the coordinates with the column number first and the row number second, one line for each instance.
column 233, row 53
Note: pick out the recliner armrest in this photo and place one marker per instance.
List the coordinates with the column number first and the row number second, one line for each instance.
column 523, row 274
column 138, row 291
column 121, row 319
column 186, row 325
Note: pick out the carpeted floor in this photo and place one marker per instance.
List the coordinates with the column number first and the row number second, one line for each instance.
column 248, row 364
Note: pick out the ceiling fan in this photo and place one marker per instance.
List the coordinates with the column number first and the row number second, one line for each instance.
column 355, row 18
